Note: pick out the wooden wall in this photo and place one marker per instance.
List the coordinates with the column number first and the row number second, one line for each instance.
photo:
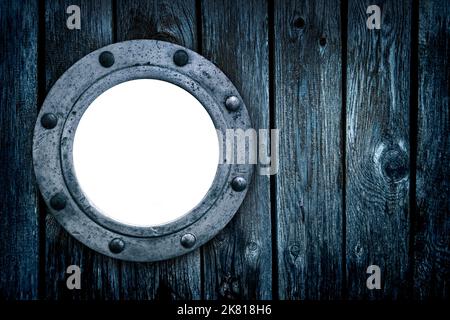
column 364, row 149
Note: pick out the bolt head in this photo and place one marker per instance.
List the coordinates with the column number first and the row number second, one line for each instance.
column 49, row 120
column 188, row 240
column 106, row 59
column 180, row 58
column 58, row 201
column 239, row 184
column 232, row 103
column 116, row 245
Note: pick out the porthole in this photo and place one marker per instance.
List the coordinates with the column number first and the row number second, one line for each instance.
column 126, row 151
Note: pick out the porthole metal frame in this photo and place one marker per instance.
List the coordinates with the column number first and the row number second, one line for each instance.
column 53, row 145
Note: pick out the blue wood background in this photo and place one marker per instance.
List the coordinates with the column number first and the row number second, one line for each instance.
column 364, row 149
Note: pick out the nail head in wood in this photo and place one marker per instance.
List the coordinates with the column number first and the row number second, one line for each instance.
column 299, row 23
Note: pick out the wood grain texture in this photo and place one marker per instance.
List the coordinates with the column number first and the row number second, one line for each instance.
column 342, row 197
column 173, row 21
column 19, row 219
column 377, row 144
column 166, row 20
column 63, row 47
column 238, row 262
column 432, row 241
column 308, row 113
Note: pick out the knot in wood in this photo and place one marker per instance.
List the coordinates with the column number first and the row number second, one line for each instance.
column 252, row 246
column 164, row 36
column 299, row 23
column 395, row 164
column 359, row 250
column 229, row 288
column 294, row 250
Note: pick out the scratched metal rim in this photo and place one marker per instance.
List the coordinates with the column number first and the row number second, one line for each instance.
column 53, row 141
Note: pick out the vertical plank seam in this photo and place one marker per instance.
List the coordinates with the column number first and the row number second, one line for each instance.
column 114, row 31
column 272, row 124
column 199, row 22
column 344, row 37
column 198, row 13
column 413, row 132
column 41, row 207
column 114, row 20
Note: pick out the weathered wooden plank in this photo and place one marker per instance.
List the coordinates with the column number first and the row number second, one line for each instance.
column 238, row 262
column 432, row 241
column 173, row 21
column 308, row 101
column 377, row 148
column 19, row 219
column 166, row 20
column 63, row 47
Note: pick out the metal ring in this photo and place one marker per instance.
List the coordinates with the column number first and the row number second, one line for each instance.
column 71, row 96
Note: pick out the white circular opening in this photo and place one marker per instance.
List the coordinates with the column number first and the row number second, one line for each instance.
column 145, row 152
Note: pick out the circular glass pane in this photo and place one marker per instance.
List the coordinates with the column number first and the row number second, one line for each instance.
column 145, row 152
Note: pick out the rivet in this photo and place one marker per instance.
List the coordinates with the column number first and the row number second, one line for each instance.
column 299, row 23
column 239, row 184
column 106, row 59
column 232, row 103
column 58, row 201
column 188, row 240
column 180, row 58
column 323, row 41
column 116, row 245
column 49, row 120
